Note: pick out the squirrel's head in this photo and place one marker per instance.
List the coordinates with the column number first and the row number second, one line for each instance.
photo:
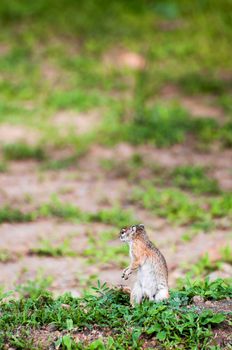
column 127, row 234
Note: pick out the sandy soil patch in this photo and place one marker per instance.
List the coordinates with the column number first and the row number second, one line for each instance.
column 10, row 133
column 198, row 106
column 78, row 123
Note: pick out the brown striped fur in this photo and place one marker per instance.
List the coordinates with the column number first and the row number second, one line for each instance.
column 145, row 256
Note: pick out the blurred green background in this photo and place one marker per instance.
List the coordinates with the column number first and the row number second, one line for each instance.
column 125, row 58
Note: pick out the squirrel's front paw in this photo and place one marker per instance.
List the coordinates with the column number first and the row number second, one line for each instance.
column 126, row 273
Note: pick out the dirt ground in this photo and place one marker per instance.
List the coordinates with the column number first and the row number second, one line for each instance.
column 84, row 184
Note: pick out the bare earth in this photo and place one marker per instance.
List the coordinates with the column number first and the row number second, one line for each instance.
column 84, row 184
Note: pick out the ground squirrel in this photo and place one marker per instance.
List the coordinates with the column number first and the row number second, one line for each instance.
column 152, row 275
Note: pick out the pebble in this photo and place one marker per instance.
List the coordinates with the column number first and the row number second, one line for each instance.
column 198, row 299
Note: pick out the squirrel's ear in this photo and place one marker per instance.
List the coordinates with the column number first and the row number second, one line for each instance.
column 133, row 229
column 141, row 226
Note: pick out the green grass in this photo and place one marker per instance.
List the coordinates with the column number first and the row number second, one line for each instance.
column 194, row 178
column 55, row 208
column 5, row 255
column 200, row 83
column 115, row 215
column 210, row 290
column 221, row 206
column 48, row 248
column 174, row 205
column 205, row 265
column 32, row 288
column 226, row 135
column 173, row 324
column 178, row 207
column 100, row 249
column 226, row 253
column 59, row 64
column 75, row 99
column 189, row 235
column 3, row 167
column 112, row 216
column 191, row 178
column 60, row 164
column 128, row 168
column 8, row 214
column 160, row 125
column 225, row 102
column 163, row 125
column 21, row 151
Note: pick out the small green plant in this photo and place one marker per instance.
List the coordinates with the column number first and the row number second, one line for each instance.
column 101, row 250
column 67, row 342
column 81, row 146
column 206, row 130
column 128, row 168
column 226, row 254
column 199, row 83
column 59, row 164
column 189, row 235
column 210, row 290
column 225, row 102
column 164, row 126
column 108, row 164
column 221, row 206
column 86, row 281
column 203, row 267
column 161, row 125
column 48, row 248
column 77, row 99
column 56, row 208
column 61, row 210
column 180, row 208
column 170, row 203
column 8, row 214
column 114, row 216
column 22, row 342
column 136, row 160
column 3, row 167
column 174, row 323
column 226, row 134
column 195, row 179
column 33, row 289
column 21, row 151
column 5, row 255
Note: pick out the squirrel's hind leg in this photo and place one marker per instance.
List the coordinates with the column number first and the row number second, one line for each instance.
column 149, row 294
column 162, row 294
column 136, row 294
